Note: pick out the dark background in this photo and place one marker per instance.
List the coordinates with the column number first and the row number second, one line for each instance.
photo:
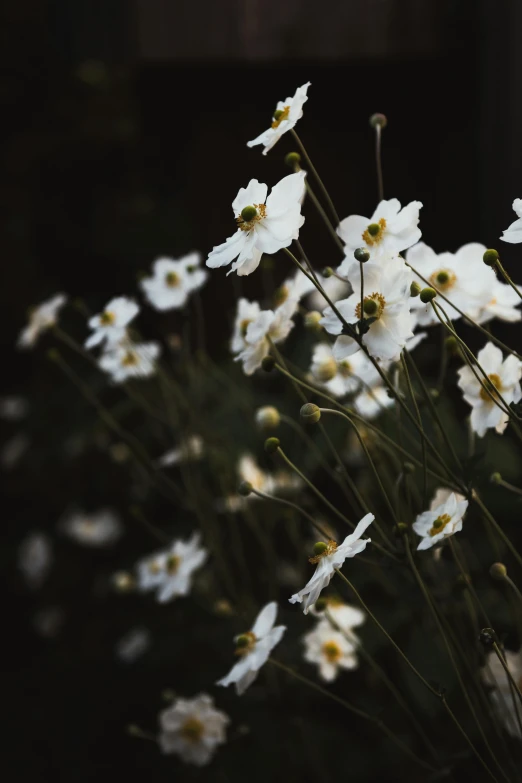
column 124, row 137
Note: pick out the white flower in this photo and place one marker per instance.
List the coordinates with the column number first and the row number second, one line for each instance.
column 440, row 521
column 132, row 646
column 372, row 401
column 345, row 376
column 173, row 280
column 294, row 287
column 389, row 230
column 285, row 117
column 275, row 325
column 110, row 325
column 462, row 277
column 130, row 360
column 13, row 408
column 503, row 694
column 41, row 318
column 190, row 450
column 245, row 314
column 35, row 559
column 513, row 234
column 254, row 648
column 343, row 615
column 248, row 470
column 443, row 494
column 502, row 303
column 170, row 571
column 332, row 557
column 193, row 729
column 387, row 299
column 503, row 376
column 99, row 529
column 265, row 225
column 334, row 288
column 330, row 650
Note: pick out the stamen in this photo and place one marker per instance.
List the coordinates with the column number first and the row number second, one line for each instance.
column 378, row 303
column 192, row 730
column 172, row 279
column 245, row 643
column 280, row 115
column 332, row 652
column 374, row 234
column 107, row 318
column 443, row 279
column 439, row 524
column 331, row 546
column 130, row 359
column 494, row 384
column 248, row 225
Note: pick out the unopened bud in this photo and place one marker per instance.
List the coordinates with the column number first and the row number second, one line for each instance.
column 495, row 478
column 123, row 582
column 327, row 271
column 408, row 467
column 312, row 321
column 415, row 289
column 310, row 413
column 293, row 159
column 271, row 445
column 268, row 363
column 245, row 488
column 400, row 529
column 490, row 257
column 498, row 571
column 361, row 255
column 267, row 417
column 325, row 371
column 427, row 294
column 452, row 344
column 488, row 637
column 378, row 120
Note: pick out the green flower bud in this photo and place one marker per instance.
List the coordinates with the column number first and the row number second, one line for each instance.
column 374, row 229
column 452, row 344
column 378, row 120
column 327, row 271
column 267, row 417
column 271, row 445
column 400, row 529
column 498, row 571
column 310, row 413
column 490, row 257
column 268, row 363
column 321, row 604
column 361, row 254
column 293, row 159
column 427, row 294
column 245, row 488
column 248, row 214
column 495, row 478
column 370, row 306
column 312, row 321
column 320, row 547
column 408, row 467
column 488, row 637
column 415, row 289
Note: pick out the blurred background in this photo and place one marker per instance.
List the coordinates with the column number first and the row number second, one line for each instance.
column 124, row 138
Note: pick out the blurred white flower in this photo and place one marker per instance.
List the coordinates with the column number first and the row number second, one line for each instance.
column 334, row 288
column 248, row 470
column 372, row 401
column 294, row 287
column 462, row 277
column 13, row 450
column 502, row 303
column 253, row 648
column 245, row 314
column 110, row 325
column 389, row 230
column 503, row 376
column 98, row 529
column 513, row 234
column 133, row 644
column 173, row 281
column 130, row 360
column 190, row 450
column 35, row 558
column 192, row 729
column 285, row 117
column 170, row 572
column 502, row 694
column 41, row 318
column 13, row 408
column 386, row 299
column 443, row 494
column 345, row 616
column 275, row 325
column 329, row 557
column 330, row 650
column 345, row 376
column 265, row 225
column 440, row 521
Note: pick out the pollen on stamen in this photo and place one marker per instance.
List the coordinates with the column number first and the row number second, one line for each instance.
column 172, row 279
column 374, row 234
column 192, row 730
column 376, row 298
column 107, row 318
column 331, row 546
column 494, row 384
column 248, row 225
column 130, row 359
column 245, row 643
column 439, row 524
column 443, row 279
column 331, row 651
column 279, row 116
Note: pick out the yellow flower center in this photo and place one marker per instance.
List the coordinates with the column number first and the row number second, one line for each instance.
column 245, row 643
column 107, row 318
column 280, row 296
column 192, row 730
column 130, row 359
column 331, row 651
column 248, row 225
column 493, row 383
column 279, row 116
column 172, row 564
column 374, row 234
column 331, row 546
column 439, row 524
column 172, row 279
column 345, row 369
column 326, row 370
column 443, row 279
column 373, row 306
column 243, row 326
column 154, row 567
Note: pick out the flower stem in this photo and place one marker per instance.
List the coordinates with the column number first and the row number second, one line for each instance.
column 354, row 710
column 507, row 278
column 312, row 168
column 491, row 519
column 289, row 503
column 419, row 418
column 378, row 161
column 317, row 204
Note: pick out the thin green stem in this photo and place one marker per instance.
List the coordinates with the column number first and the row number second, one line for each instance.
column 507, row 278
column 493, row 522
column 378, row 161
column 423, row 444
column 289, row 503
column 312, row 168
